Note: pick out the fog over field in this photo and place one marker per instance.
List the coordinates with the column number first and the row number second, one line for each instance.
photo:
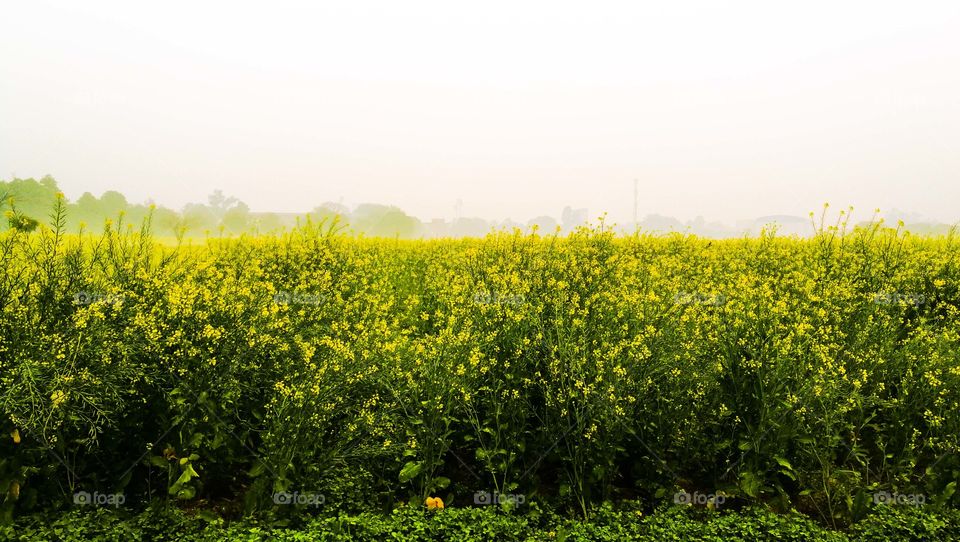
column 726, row 111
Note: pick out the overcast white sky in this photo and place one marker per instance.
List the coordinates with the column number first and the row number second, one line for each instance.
column 723, row 109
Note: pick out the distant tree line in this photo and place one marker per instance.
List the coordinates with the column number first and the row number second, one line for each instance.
column 29, row 202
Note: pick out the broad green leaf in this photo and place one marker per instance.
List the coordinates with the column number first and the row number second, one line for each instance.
column 410, row 471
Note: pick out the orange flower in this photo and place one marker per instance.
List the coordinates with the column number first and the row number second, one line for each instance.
column 434, row 503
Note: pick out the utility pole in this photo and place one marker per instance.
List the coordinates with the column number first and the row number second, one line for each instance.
column 635, row 196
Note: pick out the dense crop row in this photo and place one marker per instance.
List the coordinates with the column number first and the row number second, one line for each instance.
column 349, row 373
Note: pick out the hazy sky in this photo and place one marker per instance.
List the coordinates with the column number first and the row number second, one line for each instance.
column 722, row 109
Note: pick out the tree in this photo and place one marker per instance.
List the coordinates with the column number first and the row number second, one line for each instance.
column 571, row 218
column 32, row 198
column 267, row 222
column 198, row 217
column 237, row 218
column 220, row 204
column 545, row 224
column 384, row 221
column 328, row 211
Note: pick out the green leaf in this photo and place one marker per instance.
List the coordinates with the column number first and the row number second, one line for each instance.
column 207, row 515
column 189, row 469
column 410, row 471
column 750, row 484
column 948, row 492
column 125, row 481
column 187, row 475
column 187, row 493
column 784, row 463
column 157, row 461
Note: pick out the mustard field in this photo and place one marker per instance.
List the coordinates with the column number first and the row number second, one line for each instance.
column 310, row 371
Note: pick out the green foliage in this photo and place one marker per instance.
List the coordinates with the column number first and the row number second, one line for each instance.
column 471, row 524
column 806, row 375
column 27, row 202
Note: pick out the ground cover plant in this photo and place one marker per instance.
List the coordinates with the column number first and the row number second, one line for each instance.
column 482, row 524
column 311, row 373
